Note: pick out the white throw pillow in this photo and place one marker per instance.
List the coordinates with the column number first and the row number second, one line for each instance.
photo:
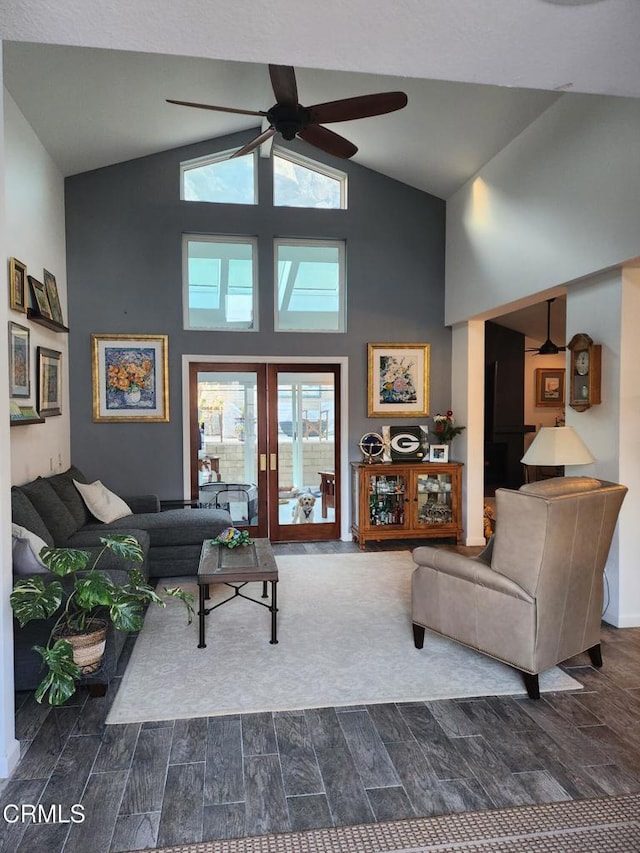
column 26, row 547
column 101, row 503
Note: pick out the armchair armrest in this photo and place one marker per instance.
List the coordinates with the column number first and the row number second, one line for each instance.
column 143, row 503
column 470, row 569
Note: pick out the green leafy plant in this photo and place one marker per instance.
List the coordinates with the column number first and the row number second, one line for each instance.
column 92, row 598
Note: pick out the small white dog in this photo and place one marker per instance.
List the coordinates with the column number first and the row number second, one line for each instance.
column 303, row 509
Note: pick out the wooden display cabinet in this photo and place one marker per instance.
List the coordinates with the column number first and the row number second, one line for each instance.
column 406, row 501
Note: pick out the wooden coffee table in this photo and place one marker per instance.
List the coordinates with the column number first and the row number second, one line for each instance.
column 236, row 567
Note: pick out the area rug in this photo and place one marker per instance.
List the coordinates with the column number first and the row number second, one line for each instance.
column 345, row 638
column 605, row 825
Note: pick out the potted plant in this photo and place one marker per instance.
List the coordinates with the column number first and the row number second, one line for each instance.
column 84, row 607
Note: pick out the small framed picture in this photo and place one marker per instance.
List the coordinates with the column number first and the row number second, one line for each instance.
column 550, row 387
column 40, row 298
column 52, row 295
column 130, row 378
column 49, row 382
column 17, row 286
column 438, row 453
column 19, row 370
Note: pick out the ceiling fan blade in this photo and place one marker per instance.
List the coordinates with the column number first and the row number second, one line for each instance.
column 283, row 80
column 217, row 109
column 358, row 107
column 328, row 141
column 255, row 143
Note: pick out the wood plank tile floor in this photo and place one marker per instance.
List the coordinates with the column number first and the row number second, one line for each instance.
column 175, row 782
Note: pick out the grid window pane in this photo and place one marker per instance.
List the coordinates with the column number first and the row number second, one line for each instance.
column 310, row 286
column 219, row 283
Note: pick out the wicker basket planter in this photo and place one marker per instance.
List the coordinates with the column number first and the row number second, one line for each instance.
column 88, row 649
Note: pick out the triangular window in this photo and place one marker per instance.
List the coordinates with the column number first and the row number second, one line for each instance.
column 301, row 182
column 217, row 178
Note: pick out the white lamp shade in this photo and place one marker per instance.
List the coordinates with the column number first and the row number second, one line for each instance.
column 557, row 446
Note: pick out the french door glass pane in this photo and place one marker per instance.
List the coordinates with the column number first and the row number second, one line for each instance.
column 306, row 448
column 228, row 455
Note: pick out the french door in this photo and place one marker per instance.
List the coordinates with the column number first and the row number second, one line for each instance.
column 265, row 445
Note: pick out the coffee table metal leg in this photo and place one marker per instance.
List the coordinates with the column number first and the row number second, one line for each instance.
column 264, row 589
column 204, row 590
column 274, row 612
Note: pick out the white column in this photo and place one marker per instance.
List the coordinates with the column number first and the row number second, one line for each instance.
column 607, row 308
column 467, row 403
column 9, row 746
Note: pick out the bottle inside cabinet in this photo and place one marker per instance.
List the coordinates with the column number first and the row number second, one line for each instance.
column 386, row 500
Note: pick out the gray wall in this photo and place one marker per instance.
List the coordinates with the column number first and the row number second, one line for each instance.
column 124, row 270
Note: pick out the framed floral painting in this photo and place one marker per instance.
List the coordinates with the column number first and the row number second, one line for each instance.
column 398, row 380
column 130, row 378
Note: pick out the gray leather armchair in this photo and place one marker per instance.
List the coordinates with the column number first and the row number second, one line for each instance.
column 533, row 597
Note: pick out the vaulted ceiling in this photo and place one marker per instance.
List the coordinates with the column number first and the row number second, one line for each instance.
column 92, row 79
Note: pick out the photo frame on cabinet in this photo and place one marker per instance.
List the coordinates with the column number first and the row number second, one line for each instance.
column 550, row 387
column 17, row 286
column 19, row 361
column 40, row 298
column 49, row 382
column 398, row 380
column 438, row 453
column 52, row 295
column 130, row 378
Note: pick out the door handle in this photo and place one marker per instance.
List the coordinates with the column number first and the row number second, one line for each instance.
column 263, row 461
column 273, row 462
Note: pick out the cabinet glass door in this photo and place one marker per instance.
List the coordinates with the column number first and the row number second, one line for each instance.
column 387, row 499
column 435, row 499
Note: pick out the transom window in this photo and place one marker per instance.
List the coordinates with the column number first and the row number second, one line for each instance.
column 310, row 276
column 216, row 178
column 301, row 182
column 219, row 290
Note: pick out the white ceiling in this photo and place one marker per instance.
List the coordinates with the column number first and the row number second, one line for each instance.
column 92, row 78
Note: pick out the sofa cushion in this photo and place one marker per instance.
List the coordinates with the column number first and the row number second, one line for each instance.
column 69, row 495
column 175, row 526
column 25, row 552
column 102, row 503
column 89, row 540
column 26, row 515
column 51, row 509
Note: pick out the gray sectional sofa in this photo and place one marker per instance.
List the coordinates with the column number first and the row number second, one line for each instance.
column 52, row 508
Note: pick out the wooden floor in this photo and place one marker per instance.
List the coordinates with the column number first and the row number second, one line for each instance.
column 156, row 784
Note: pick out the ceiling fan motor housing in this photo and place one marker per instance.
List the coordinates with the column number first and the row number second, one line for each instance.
column 288, row 120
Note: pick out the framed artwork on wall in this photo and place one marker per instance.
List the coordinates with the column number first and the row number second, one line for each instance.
column 19, row 367
column 130, row 378
column 49, row 382
column 52, row 295
column 398, row 380
column 550, row 387
column 17, row 286
column 40, row 298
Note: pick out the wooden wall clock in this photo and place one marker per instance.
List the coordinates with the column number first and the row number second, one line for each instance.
column 584, row 372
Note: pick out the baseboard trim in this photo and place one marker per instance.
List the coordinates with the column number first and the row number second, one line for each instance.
column 9, row 759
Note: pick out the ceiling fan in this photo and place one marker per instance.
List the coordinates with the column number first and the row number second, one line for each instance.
column 548, row 347
column 290, row 119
